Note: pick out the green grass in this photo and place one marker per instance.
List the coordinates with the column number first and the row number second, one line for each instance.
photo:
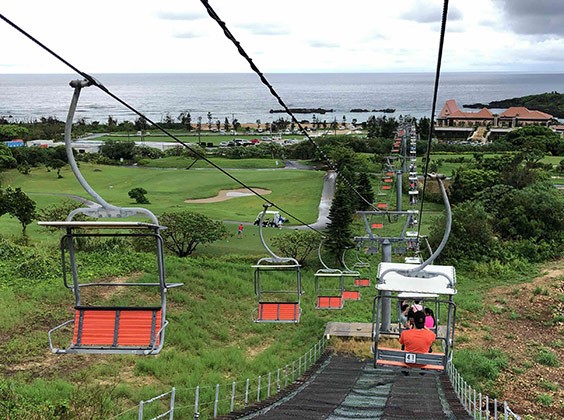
column 296, row 191
column 183, row 163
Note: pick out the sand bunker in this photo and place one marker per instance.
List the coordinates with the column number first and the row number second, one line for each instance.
column 229, row 194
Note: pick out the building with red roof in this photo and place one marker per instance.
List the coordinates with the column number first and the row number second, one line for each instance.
column 453, row 123
column 452, row 116
column 516, row 116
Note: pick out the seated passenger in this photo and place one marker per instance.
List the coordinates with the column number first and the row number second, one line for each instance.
column 418, row 339
column 429, row 318
column 403, row 317
column 417, row 306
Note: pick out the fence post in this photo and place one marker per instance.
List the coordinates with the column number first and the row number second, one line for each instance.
column 300, row 366
column 172, row 400
column 480, row 402
column 141, row 404
column 495, row 408
column 247, row 393
column 310, row 358
column 196, row 402
column 285, row 376
column 505, row 416
column 278, row 381
column 268, row 392
column 216, row 401
column 258, row 390
column 232, row 396
column 487, row 407
column 293, row 370
column 474, row 403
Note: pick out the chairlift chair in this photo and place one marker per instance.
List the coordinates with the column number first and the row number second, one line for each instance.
column 329, row 285
column 351, row 290
column 277, row 301
column 108, row 328
column 398, row 280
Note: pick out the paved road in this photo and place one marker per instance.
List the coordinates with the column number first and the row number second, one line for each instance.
column 327, row 195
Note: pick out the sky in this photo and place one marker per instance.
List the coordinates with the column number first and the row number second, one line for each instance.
column 295, row 36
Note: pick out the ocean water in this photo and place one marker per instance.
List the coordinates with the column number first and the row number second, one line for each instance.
column 244, row 97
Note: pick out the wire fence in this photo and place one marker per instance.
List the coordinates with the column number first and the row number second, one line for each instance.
column 477, row 405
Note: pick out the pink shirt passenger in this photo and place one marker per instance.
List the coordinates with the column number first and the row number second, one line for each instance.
column 429, row 322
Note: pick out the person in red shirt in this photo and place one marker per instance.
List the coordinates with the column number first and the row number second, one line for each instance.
column 418, row 339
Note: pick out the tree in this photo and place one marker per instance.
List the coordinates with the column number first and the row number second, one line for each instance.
column 536, row 137
column 209, row 120
column 339, row 232
column 186, row 120
column 19, row 205
column 423, row 127
column 298, row 244
column 471, row 236
column 12, row 131
column 57, row 164
column 138, row 194
column 364, row 188
column 118, row 149
column 7, row 160
column 186, row 230
column 468, row 182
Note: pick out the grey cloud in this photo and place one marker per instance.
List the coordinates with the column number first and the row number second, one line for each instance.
column 539, row 17
column 180, row 15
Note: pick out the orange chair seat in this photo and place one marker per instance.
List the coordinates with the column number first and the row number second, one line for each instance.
column 351, row 295
column 278, row 311
column 329, row 302
column 116, row 327
column 362, row 282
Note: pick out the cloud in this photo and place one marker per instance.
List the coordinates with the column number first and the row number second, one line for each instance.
column 186, row 35
column 323, row 44
column 180, row 15
column 424, row 12
column 264, row 29
column 539, row 17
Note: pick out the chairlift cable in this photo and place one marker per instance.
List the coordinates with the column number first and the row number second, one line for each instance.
column 281, row 102
column 433, row 110
column 93, row 81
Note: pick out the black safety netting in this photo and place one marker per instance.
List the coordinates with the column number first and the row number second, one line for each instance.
column 345, row 387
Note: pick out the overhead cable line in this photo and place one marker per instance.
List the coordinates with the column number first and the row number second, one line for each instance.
column 265, row 82
column 433, row 110
column 99, row 85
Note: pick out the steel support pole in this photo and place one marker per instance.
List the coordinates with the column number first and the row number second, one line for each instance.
column 385, row 326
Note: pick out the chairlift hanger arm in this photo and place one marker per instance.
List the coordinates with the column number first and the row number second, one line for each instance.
column 103, row 209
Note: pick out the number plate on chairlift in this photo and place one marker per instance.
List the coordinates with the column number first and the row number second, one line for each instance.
column 410, row 358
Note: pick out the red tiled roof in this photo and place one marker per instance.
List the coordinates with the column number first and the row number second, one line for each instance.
column 451, row 110
column 525, row 114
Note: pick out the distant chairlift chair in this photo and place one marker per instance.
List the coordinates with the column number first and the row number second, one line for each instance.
column 276, row 301
column 109, row 329
column 329, row 286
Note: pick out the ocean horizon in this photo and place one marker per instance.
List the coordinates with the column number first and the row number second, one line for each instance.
column 27, row 97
